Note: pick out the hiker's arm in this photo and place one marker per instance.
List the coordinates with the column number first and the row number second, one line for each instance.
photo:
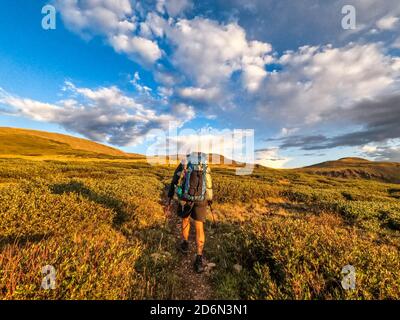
column 174, row 181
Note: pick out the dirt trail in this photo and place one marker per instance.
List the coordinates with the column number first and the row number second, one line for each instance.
column 198, row 285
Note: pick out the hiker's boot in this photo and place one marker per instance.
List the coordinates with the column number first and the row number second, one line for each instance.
column 198, row 264
column 184, row 247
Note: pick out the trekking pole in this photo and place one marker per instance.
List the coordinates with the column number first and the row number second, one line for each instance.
column 212, row 212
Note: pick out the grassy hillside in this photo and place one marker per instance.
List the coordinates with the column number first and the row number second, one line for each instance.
column 278, row 234
column 102, row 226
column 35, row 143
column 357, row 168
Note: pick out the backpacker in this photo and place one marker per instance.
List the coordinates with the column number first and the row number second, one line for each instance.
column 195, row 181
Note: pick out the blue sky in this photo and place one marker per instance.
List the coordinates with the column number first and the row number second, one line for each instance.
column 123, row 72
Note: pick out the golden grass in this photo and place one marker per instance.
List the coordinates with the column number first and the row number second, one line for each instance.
column 22, row 139
column 100, row 222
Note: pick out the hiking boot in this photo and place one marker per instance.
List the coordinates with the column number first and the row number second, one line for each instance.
column 198, row 264
column 184, row 247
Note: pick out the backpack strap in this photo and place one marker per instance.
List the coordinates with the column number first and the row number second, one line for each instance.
column 183, row 173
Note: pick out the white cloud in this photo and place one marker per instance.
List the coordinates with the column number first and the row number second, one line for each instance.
column 103, row 114
column 270, row 158
column 368, row 148
column 116, row 20
column 232, row 145
column 387, row 23
column 253, row 77
column 166, row 78
column 153, row 26
column 209, row 53
column 108, row 96
column 288, row 131
column 145, row 49
column 173, row 7
column 97, row 16
column 205, row 50
column 316, row 81
column 384, row 152
column 204, row 142
column 138, row 86
column 36, row 110
column 184, row 111
column 199, row 94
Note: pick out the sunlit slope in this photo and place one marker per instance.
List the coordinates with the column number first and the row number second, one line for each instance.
column 37, row 143
column 357, row 168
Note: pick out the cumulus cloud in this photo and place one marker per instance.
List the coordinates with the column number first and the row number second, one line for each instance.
column 387, row 23
column 385, row 152
column 269, row 157
column 115, row 20
column 173, row 7
column 206, row 54
column 209, row 53
column 138, row 86
column 138, row 48
column 102, row 114
column 317, row 80
column 98, row 16
column 153, row 26
column 35, row 110
column 253, row 76
column 199, row 94
column 231, row 144
column 205, row 51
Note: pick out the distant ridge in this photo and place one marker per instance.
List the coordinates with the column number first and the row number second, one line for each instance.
column 354, row 167
column 353, row 159
column 348, row 161
column 25, row 142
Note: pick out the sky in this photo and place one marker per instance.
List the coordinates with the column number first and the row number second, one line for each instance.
column 150, row 76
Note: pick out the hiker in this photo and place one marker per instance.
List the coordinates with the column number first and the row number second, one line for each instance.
column 192, row 187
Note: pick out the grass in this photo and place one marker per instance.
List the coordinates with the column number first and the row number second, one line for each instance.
column 100, row 223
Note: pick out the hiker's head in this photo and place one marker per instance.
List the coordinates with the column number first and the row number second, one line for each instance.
column 197, row 157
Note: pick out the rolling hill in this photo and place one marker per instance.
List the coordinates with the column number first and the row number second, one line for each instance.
column 357, row 168
column 25, row 142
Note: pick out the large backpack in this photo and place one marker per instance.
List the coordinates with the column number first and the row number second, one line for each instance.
column 195, row 181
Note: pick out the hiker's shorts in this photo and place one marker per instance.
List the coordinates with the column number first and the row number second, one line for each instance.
column 197, row 213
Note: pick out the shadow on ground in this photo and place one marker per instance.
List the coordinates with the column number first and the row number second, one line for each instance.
column 102, row 199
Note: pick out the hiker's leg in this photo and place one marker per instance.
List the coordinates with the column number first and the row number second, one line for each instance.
column 185, row 228
column 200, row 236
